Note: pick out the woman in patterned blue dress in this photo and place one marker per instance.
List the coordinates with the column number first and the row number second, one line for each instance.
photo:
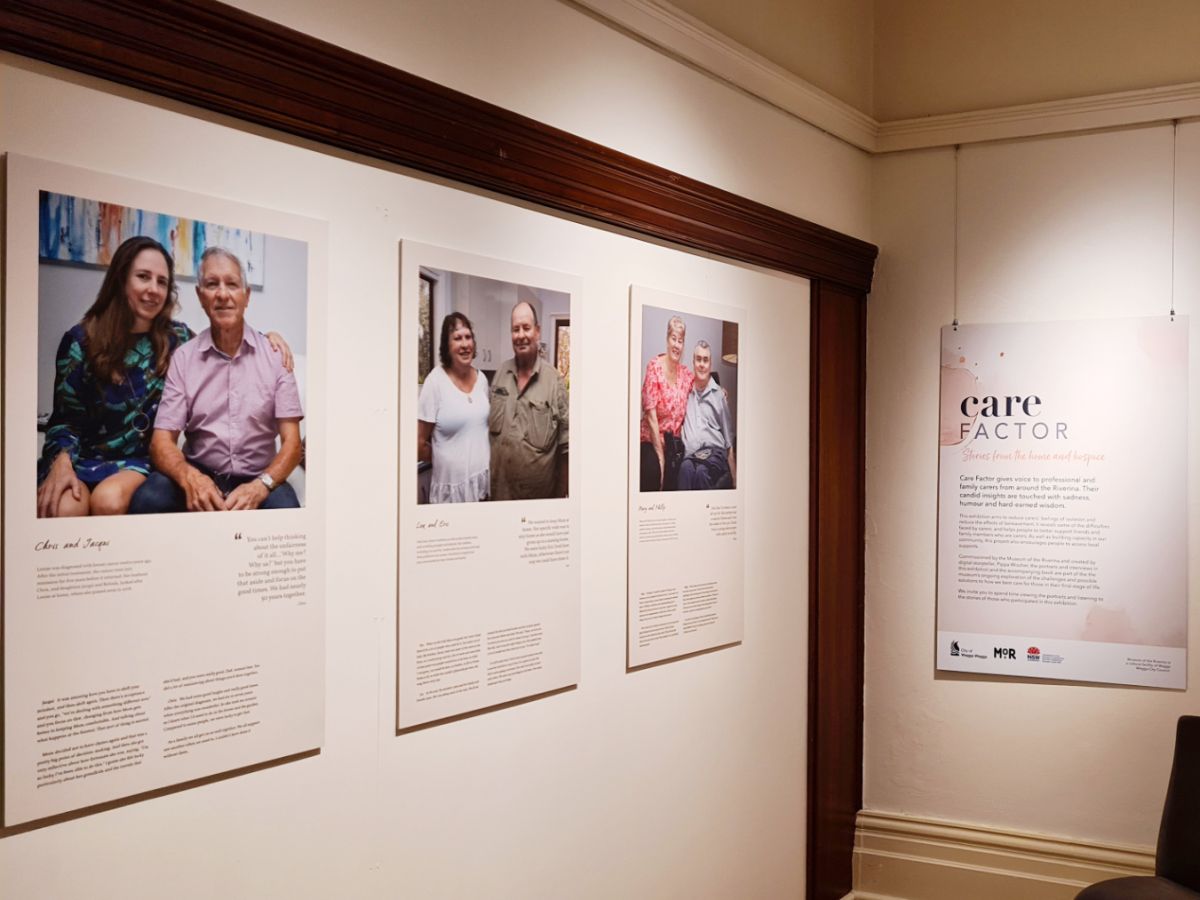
column 109, row 375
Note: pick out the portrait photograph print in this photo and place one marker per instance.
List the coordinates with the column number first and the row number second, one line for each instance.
column 160, row 356
column 488, row 580
column 494, row 377
column 687, row 436
column 171, row 363
column 686, row 482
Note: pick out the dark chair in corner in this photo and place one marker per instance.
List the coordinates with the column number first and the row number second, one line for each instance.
column 1177, row 859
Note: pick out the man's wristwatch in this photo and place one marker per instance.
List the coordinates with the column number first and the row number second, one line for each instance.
column 268, row 481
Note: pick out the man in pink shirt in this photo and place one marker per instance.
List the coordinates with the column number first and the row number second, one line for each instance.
column 231, row 397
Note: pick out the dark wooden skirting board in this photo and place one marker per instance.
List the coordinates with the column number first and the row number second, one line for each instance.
column 227, row 61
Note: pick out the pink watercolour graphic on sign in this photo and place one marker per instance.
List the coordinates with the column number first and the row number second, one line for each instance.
column 1109, row 626
column 957, row 382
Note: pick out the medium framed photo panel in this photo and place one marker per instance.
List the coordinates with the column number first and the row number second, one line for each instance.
column 686, row 497
column 142, row 653
column 489, row 589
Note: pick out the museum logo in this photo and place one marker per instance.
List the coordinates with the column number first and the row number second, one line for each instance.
column 1033, row 654
column 1004, row 653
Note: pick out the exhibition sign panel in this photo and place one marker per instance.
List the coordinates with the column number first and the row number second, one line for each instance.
column 148, row 652
column 1062, row 501
column 685, row 487
column 489, row 582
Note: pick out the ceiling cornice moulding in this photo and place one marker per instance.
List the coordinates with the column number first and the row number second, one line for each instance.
column 1101, row 111
column 682, row 36
column 685, row 37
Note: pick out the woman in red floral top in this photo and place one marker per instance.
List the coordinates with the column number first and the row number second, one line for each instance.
column 664, row 401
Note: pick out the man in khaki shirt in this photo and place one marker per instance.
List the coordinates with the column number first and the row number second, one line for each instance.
column 528, row 419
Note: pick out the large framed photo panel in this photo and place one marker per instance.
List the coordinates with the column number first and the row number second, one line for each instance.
column 686, row 516
column 489, row 590
column 147, row 649
column 1062, row 501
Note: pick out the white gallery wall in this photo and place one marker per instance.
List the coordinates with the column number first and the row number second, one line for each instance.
column 1057, row 228
column 685, row 779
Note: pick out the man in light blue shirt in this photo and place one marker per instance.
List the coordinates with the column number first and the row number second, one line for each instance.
column 708, row 462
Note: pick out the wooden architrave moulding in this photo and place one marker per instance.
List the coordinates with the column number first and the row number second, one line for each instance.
column 231, row 62
column 837, row 431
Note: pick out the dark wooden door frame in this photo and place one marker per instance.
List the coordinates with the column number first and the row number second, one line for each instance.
column 224, row 60
column 836, row 572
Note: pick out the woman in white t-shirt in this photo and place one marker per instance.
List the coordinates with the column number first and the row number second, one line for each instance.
column 452, row 419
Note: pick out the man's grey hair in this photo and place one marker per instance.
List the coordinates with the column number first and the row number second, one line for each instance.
column 532, row 310
column 702, row 345
column 226, row 254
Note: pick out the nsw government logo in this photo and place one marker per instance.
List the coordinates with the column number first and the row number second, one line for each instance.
column 1033, row 654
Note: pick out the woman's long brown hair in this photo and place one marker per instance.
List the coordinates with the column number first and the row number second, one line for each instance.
column 108, row 324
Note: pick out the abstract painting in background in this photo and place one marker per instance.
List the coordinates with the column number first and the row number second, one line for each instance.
column 562, row 349
column 78, row 230
column 425, row 329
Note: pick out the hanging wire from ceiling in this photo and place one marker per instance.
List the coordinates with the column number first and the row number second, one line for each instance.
column 957, row 148
column 1174, row 179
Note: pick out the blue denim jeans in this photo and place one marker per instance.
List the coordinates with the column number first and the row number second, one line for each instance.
column 159, row 494
column 709, row 471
